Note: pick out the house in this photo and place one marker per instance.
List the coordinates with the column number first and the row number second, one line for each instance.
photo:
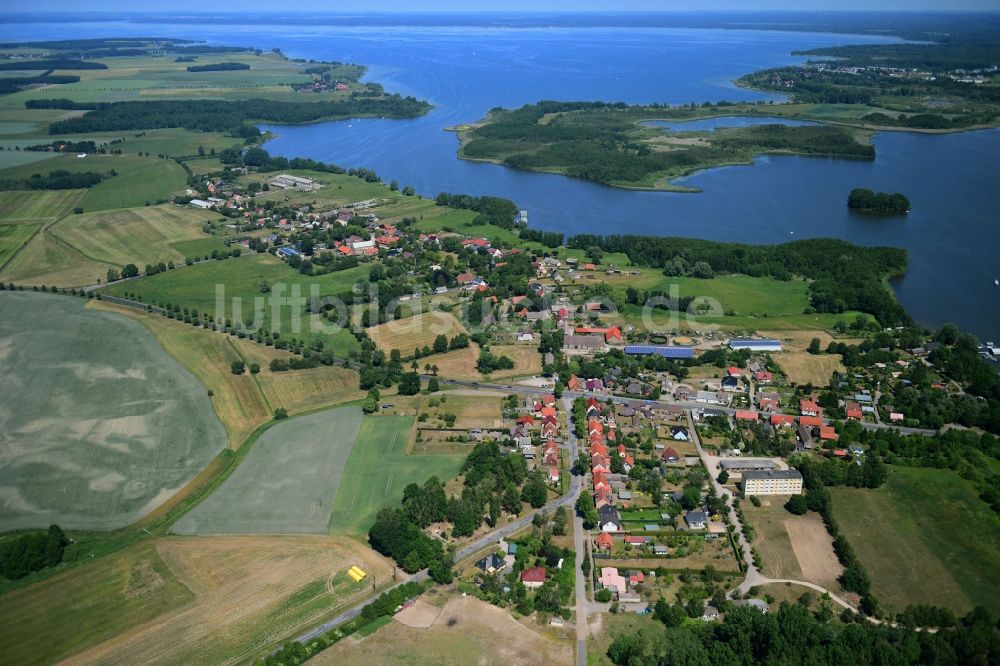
column 768, row 401
column 896, row 417
column 856, row 450
column 491, row 564
column 574, row 383
column 553, row 474
column 805, row 436
column 759, row 604
column 696, row 520
column 763, row 377
column 666, row 351
column 609, row 519
column 711, row 398
column 853, row 411
column 809, row 408
column 782, row 420
column 584, row 343
column 761, row 345
column 679, row 434
column 637, row 541
column 730, row 383
column 670, row 455
column 636, row 577
column 611, row 580
column 533, row 577
column 525, row 336
column 661, row 550
column 604, row 542
column 827, row 433
column 710, row 613
column 811, row 421
column 746, row 415
column 733, row 371
column 465, row 278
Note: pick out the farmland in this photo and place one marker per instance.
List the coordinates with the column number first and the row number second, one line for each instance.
column 133, row 235
column 925, row 537
column 241, row 278
column 186, row 600
column 109, row 596
column 287, row 483
column 379, row 469
column 13, row 237
column 37, row 205
column 464, row 627
column 47, row 261
column 133, row 426
column 781, row 538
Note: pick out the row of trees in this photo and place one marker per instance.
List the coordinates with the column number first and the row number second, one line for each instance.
column 59, row 179
column 22, row 554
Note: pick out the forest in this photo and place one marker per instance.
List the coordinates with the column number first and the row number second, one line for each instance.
column 607, row 143
column 222, row 116
column 866, row 201
column 218, row 67
column 24, row 553
column 55, row 180
column 793, row 635
column 844, row 276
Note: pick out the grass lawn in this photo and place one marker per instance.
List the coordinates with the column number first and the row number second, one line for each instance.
column 100, row 425
column 378, row 470
column 287, row 482
column 13, row 237
column 925, row 538
column 87, row 605
column 135, row 235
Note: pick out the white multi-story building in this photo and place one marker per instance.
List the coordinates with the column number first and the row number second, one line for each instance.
column 772, row 482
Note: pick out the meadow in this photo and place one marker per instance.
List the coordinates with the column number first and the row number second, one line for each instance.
column 806, row 368
column 925, row 537
column 287, row 483
column 415, row 332
column 378, row 470
column 37, row 205
column 133, row 426
column 46, row 260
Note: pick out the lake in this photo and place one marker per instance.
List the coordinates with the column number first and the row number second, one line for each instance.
column 952, row 233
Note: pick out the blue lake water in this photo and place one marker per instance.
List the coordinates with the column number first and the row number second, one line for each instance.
column 711, row 124
column 952, row 233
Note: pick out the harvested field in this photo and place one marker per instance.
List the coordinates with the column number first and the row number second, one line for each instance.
column 250, row 593
column 108, row 597
column 458, row 364
column 799, row 340
column 467, row 631
column 287, row 483
column 806, row 368
column 813, row 547
column 418, row 616
column 99, row 425
column 415, row 332
column 527, row 360
column 379, row 471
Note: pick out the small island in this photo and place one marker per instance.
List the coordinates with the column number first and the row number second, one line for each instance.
column 878, row 203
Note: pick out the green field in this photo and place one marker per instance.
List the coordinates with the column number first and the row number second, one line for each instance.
column 378, row 471
column 287, row 483
column 87, row 605
column 195, row 286
column 12, row 237
column 36, row 205
column 925, row 538
column 99, row 424
column 136, row 235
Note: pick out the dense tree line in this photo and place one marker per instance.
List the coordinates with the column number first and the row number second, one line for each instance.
column 12, row 84
column 844, row 276
column 55, row 180
column 792, row 635
column 877, row 202
column 224, row 116
column 65, row 147
column 218, row 67
column 22, row 554
column 61, row 63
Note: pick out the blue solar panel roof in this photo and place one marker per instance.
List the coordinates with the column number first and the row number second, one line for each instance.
column 668, row 352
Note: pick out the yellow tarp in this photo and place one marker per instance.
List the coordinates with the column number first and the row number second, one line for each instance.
column 357, row 574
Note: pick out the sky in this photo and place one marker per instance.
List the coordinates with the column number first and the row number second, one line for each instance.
column 219, row 6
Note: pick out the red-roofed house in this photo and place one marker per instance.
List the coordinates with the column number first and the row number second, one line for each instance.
column 553, row 473
column 604, row 541
column 589, row 267
column 574, row 383
column 782, row 420
column 896, row 417
column 549, row 400
column 635, row 577
column 811, row 421
column 670, row 455
column 533, row 577
column 809, row 408
column 828, row 433
column 763, row 377
column 465, row 278
column 733, row 371
column 548, row 411
column 746, row 415
column 527, row 419
column 853, row 411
